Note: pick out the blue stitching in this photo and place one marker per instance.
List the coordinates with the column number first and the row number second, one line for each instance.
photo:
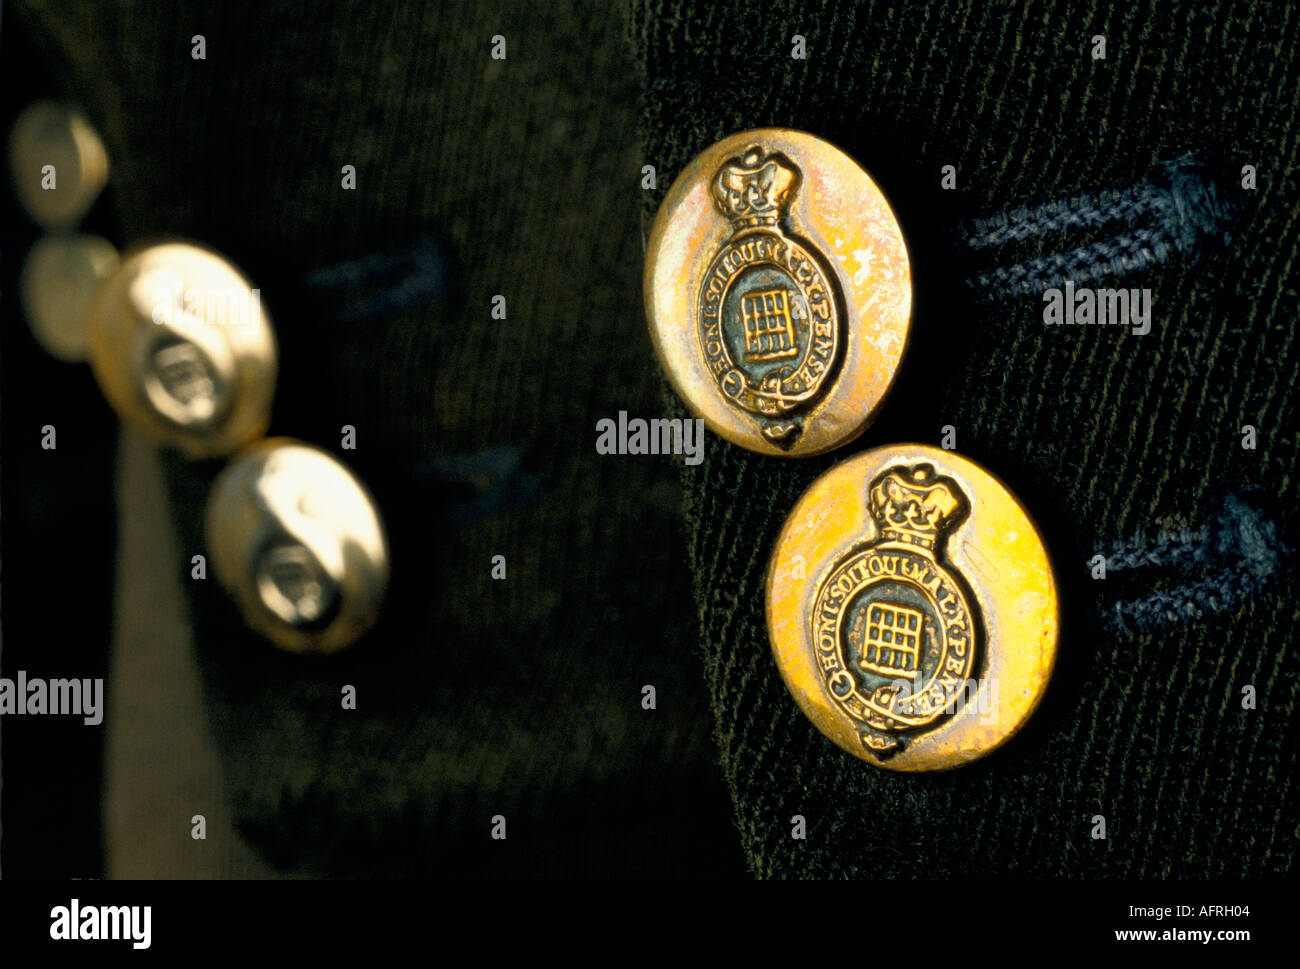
column 1080, row 211
column 1168, row 548
column 495, row 476
column 1117, row 256
column 1241, row 539
column 1191, row 209
column 1239, row 533
column 381, row 285
column 1184, row 602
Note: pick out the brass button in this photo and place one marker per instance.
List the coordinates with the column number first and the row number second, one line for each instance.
column 296, row 540
column 59, row 164
column 182, row 349
column 912, row 609
column 778, row 292
column 58, row 284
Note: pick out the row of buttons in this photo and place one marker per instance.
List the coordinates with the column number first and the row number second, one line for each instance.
column 911, row 607
column 183, row 350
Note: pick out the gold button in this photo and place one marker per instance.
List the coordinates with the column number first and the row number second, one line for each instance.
column 58, row 284
column 912, row 609
column 296, row 540
column 182, row 349
column 59, row 164
column 778, row 292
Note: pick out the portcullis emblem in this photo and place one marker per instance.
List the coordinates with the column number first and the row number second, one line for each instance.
column 770, row 313
column 895, row 631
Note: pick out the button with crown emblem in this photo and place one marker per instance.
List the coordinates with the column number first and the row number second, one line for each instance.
column 298, row 543
column 778, row 292
column 183, row 350
column 912, row 609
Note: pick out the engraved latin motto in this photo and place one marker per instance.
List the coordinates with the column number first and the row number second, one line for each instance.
column 895, row 630
column 768, row 317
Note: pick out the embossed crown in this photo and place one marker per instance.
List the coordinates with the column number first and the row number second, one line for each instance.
column 753, row 189
column 915, row 506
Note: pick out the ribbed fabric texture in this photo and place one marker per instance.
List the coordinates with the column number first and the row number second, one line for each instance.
column 476, row 698
column 1104, row 435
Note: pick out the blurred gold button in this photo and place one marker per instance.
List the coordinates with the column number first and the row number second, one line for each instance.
column 59, row 164
column 58, row 284
column 296, row 540
column 778, row 292
column 182, row 349
column 912, row 609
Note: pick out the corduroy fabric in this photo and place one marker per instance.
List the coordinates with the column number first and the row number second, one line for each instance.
column 476, row 698
column 1104, row 435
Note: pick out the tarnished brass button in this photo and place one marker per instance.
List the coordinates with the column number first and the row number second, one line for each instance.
column 912, row 609
column 182, row 349
column 297, row 541
column 778, row 292
column 60, row 278
column 59, row 164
